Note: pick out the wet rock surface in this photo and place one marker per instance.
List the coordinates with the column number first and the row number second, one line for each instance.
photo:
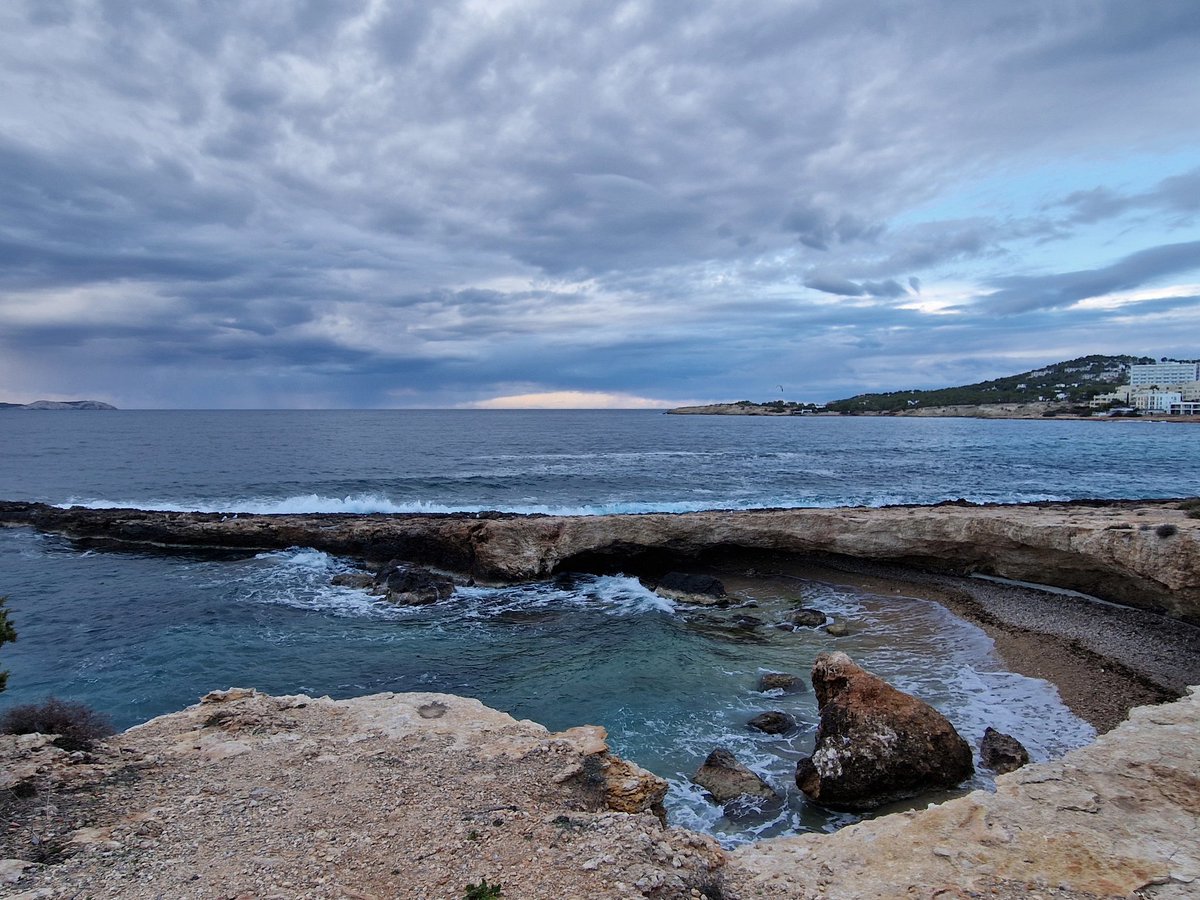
column 727, row 779
column 876, row 744
column 781, row 681
column 684, row 587
column 772, row 722
column 1002, row 753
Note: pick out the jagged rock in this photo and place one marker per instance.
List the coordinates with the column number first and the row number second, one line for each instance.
column 353, row 580
column 773, row 722
column 1002, row 753
column 837, row 629
column 807, row 618
column 876, row 744
column 688, row 588
column 781, row 681
column 629, row 788
column 412, row 586
column 727, row 779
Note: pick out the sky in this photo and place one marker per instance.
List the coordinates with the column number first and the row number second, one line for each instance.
column 384, row 203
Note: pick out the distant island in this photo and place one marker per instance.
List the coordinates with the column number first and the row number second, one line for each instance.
column 59, row 404
column 1082, row 387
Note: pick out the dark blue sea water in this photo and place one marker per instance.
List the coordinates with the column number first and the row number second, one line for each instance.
column 138, row 635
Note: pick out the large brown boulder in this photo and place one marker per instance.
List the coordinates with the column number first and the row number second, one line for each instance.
column 876, row 744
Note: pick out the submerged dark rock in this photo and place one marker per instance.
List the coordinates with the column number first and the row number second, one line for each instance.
column 412, row 586
column 362, row 580
column 773, row 722
column 690, row 588
column 781, row 681
column 807, row 618
column 1002, row 753
column 876, row 744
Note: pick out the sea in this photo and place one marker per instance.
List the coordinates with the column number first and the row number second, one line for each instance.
column 138, row 634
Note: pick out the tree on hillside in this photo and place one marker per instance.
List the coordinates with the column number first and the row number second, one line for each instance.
column 7, row 633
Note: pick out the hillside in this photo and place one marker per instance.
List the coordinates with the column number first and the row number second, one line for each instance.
column 59, row 404
column 1078, row 380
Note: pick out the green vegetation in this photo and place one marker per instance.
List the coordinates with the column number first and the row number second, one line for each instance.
column 77, row 725
column 7, row 634
column 483, row 891
column 1191, row 507
column 1078, row 380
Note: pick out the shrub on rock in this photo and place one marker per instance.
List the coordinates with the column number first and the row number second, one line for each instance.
column 77, row 725
column 876, row 744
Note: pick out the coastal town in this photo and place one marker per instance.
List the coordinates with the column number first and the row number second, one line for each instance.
column 1088, row 387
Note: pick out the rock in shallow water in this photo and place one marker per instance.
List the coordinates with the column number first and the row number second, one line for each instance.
column 412, row 586
column 727, row 779
column 687, row 588
column 807, row 618
column 773, row 722
column 1002, row 753
column 781, row 681
column 876, row 744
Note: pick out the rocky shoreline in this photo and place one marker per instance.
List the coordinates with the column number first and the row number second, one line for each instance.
column 424, row 795
column 419, row 795
column 1138, row 553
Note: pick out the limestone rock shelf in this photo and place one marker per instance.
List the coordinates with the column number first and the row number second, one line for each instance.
column 1139, row 553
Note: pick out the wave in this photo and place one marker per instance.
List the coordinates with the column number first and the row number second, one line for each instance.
column 366, row 503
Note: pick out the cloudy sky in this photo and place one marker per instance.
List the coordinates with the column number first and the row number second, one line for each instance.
column 389, row 203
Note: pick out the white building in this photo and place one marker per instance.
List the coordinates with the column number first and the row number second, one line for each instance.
column 1156, row 401
column 1162, row 375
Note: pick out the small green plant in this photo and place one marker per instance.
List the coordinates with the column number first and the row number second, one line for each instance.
column 1166, row 530
column 483, row 891
column 472, row 835
column 1191, row 507
column 77, row 725
column 7, row 635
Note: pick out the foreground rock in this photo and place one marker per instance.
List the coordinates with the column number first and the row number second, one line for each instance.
column 392, row 795
column 876, row 744
column 1114, row 818
column 418, row 795
column 1002, row 753
column 781, row 681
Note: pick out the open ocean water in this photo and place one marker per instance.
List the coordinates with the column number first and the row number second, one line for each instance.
column 138, row 635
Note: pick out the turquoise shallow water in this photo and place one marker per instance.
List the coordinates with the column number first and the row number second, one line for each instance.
column 139, row 635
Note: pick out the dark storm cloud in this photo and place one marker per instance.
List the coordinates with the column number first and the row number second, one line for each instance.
column 1021, row 293
column 463, row 195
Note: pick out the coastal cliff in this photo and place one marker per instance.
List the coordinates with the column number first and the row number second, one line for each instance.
column 1138, row 553
column 425, row 795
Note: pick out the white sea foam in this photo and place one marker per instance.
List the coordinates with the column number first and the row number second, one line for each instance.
column 366, row 503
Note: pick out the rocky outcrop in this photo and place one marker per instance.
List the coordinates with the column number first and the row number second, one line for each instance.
column 727, row 779
column 419, row 795
column 1114, row 818
column 876, row 744
column 1002, row 753
column 1112, row 550
column 391, row 795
